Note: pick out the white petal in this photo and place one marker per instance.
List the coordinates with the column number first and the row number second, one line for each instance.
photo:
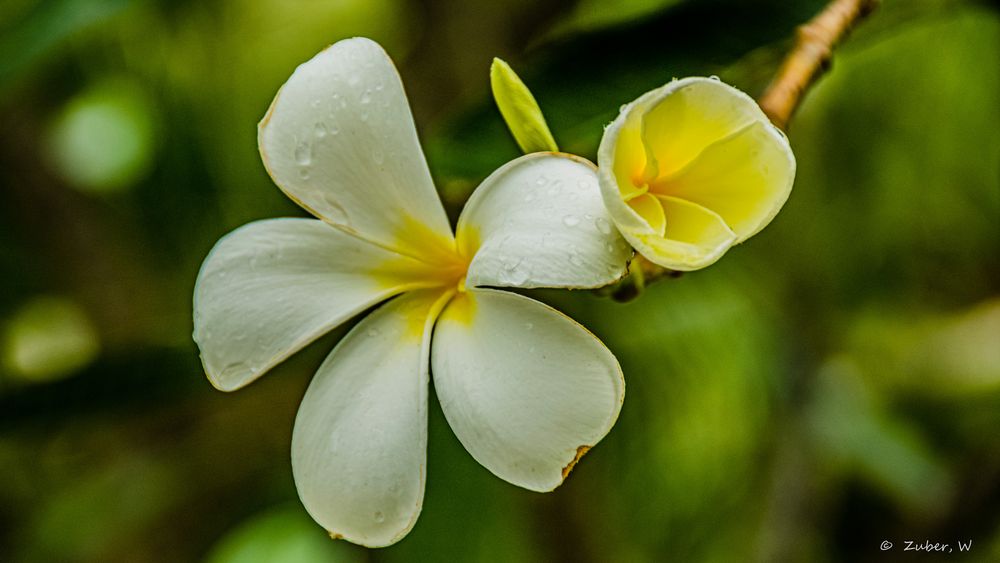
column 526, row 389
column 539, row 221
column 359, row 446
column 339, row 139
column 270, row 287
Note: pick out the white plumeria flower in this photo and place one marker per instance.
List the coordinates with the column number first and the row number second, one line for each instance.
column 526, row 389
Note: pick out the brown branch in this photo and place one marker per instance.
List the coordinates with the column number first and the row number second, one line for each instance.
column 808, row 60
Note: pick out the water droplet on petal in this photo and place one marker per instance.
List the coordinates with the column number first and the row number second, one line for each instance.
column 303, row 154
column 603, row 225
column 366, row 97
column 319, row 130
column 378, row 156
column 379, row 517
column 571, row 220
column 333, row 211
column 373, row 332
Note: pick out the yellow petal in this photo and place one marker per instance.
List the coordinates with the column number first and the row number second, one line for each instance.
column 650, row 209
column 695, row 237
column 520, row 110
column 745, row 178
column 691, row 114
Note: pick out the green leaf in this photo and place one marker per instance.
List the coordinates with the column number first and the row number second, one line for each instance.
column 520, row 110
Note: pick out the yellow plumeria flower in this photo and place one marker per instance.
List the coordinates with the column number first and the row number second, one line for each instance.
column 526, row 389
column 692, row 168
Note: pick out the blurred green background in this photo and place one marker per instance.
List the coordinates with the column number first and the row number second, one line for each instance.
column 833, row 383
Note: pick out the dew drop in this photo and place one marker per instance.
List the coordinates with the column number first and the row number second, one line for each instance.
column 364, row 116
column 315, row 103
column 542, row 180
column 378, row 156
column 714, row 77
column 529, row 326
column 603, row 225
column 303, row 154
column 353, row 79
column 379, row 517
column 571, row 220
column 585, row 184
column 334, row 130
column 373, row 332
column 515, row 274
column 319, row 130
column 333, row 211
column 304, row 173
column 575, row 259
column 519, row 275
column 510, row 264
column 235, row 368
column 366, row 97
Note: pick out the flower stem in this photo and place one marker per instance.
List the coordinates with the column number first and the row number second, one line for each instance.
column 808, row 60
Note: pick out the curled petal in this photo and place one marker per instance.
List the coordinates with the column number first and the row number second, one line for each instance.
column 526, row 389
column 539, row 221
column 682, row 118
column 745, row 178
column 695, row 237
